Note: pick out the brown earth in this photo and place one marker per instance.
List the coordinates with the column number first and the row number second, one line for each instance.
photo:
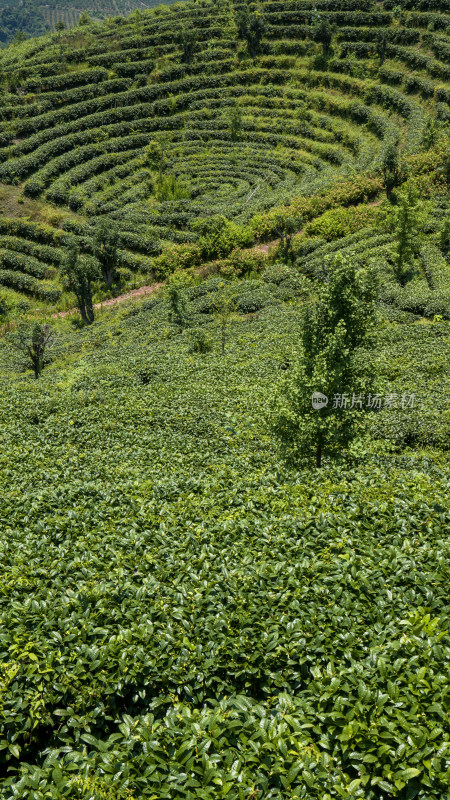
column 141, row 292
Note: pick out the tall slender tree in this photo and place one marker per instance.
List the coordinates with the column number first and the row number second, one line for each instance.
column 79, row 272
column 407, row 229
column 316, row 413
column 106, row 242
column 391, row 168
column 251, row 27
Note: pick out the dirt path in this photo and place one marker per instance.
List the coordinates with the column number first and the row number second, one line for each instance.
column 141, row 292
column 264, row 248
column 144, row 290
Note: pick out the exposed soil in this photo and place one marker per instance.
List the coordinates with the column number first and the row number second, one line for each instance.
column 143, row 290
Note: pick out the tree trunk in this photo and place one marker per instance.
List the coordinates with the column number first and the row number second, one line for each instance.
column 89, row 306
column 108, row 276
column 82, row 310
column 319, row 454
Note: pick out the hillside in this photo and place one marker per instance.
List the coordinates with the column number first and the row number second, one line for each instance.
column 252, row 199
column 34, row 17
column 248, row 138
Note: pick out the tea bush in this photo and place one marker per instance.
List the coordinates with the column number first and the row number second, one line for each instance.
column 184, row 616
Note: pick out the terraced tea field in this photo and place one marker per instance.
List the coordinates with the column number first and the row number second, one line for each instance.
column 69, row 12
column 237, row 135
column 33, row 17
column 182, row 616
column 192, row 606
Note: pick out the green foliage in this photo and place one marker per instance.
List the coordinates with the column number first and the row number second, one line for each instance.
column 224, row 307
column 84, row 19
column 106, row 241
column 5, row 307
column 391, row 168
column 235, row 122
column 407, row 230
column 156, row 155
column 251, row 27
column 180, row 612
column 430, row 134
column 34, row 343
column 183, row 615
column 200, row 342
column 288, row 226
column 445, row 236
column 17, row 24
column 188, row 45
column 79, row 273
column 218, row 236
column 340, row 222
column 251, row 141
column 171, row 187
column 178, row 314
column 381, row 46
column 323, row 33
column 333, row 332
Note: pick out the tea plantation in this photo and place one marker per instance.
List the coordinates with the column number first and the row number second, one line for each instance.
column 165, row 117
column 20, row 19
column 186, row 613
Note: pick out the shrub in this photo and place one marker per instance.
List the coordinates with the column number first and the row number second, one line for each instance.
column 337, row 223
column 218, row 236
column 200, row 342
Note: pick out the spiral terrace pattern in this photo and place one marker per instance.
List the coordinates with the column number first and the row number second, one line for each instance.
column 79, row 109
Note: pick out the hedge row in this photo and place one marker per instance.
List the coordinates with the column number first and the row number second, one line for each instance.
column 20, row 262
column 42, row 252
column 29, row 285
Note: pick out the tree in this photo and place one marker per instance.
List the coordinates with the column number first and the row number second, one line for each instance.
column 225, row 306
column 381, row 45
column 332, row 368
column 171, row 187
column 178, row 314
column 19, row 37
column 188, row 44
column 444, row 236
column 34, row 343
column 391, row 168
column 430, row 134
column 106, row 241
column 156, row 155
column 251, row 27
column 407, row 227
column 200, row 342
column 323, row 33
column 79, row 272
column 286, row 229
column 5, row 308
column 156, row 159
column 60, row 26
column 84, row 18
column 218, row 236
